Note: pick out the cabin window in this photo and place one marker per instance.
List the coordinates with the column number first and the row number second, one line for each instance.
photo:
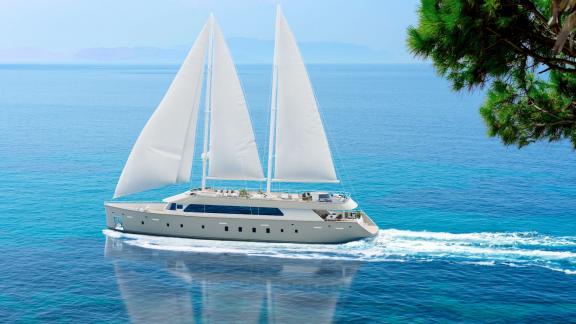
column 281, row 230
column 142, row 222
column 296, row 231
column 179, row 206
column 172, row 207
column 226, row 228
column 253, row 229
column 239, row 229
column 243, row 210
column 181, row 225
column 268, row 230
column 203, row 227
column 167, row 224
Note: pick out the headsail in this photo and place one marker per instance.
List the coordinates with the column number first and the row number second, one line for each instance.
column 233, row 153
column 163, row 152
column 301, row 151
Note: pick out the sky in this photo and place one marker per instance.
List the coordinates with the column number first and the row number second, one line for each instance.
column 58, row 29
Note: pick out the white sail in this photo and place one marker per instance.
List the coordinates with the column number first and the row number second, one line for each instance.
column 301, row 152
column 163, row 152
column 233, row 154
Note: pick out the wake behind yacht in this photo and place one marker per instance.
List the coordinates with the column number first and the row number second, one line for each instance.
column 298, row 152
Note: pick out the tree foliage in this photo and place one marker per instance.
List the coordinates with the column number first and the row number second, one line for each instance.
column 522, row 50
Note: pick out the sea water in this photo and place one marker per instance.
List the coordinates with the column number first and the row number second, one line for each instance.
column 470, row 230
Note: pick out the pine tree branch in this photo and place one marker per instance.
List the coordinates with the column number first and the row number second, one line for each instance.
column 550, row 61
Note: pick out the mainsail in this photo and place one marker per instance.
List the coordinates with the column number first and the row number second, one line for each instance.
column 233, row 152
column 163, row 152
column 301, row 152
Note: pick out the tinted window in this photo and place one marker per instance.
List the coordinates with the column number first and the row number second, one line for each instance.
column 243, row 210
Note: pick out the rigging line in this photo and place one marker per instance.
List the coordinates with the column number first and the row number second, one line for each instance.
column 341, row 170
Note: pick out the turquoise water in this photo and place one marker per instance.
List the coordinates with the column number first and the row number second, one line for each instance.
column 471, row 231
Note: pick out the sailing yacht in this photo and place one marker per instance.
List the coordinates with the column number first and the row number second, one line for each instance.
column 298, row 152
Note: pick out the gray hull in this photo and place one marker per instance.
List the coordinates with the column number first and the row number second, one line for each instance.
column 133, row 218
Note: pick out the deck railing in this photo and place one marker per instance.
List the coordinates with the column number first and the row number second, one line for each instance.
column 278, row 196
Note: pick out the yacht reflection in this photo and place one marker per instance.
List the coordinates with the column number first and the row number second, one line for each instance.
column 167, row 286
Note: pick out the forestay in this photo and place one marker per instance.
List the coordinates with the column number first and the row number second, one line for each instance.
column 233, row 154
column 302, row 153
column 163, row 152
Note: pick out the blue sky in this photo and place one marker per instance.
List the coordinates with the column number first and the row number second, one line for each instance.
column 66, row 26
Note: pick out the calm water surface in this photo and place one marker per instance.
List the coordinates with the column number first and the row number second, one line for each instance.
column 471, row 231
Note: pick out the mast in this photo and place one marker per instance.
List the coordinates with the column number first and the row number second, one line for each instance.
column 207, row 100
column 273, row 107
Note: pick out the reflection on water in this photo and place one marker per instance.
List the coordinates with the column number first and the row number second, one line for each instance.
column 161, row 286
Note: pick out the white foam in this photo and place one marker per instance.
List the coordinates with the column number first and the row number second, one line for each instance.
column 487, row 249
column 481, row 263
column 113, row 234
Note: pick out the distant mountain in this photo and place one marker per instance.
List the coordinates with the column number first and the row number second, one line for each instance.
column 131, row 54
column 244, row 51
column 34, row 55
column 247, row 50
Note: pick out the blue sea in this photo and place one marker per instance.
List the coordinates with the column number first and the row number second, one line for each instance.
column 471, row 230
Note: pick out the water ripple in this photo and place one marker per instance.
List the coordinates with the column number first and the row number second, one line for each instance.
column 484, row 249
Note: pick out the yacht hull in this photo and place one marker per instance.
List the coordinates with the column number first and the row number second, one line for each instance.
column 150, row 219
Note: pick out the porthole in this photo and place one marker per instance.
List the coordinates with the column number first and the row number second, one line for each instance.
column 181, row 225
column 267, row 230
column 296, row 231
column 239, row 229
column 281, row 230
column 226, row 228
column 253, row 229
column 167, row 224
column 203, row 227
column 142, row 222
